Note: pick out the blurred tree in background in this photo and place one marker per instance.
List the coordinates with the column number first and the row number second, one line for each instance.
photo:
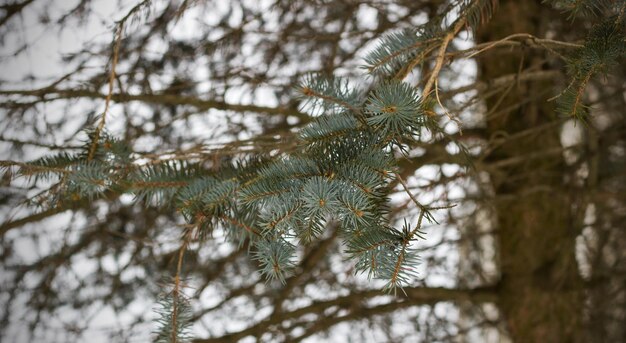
column 266, row 170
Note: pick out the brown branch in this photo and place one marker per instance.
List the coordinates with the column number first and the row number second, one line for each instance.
column 503, row 81
column 309, row 92
column 408, row 191
column 8, row 225
column 358, row 311
column 25, row 167
column 240, row 224
column 528, row 40
column 107, row 102
column 511, row 161
column 159, row 99
column 176, row 291
column 12, row 10
column 581, row 91
column 38, row 144
column 415, row 296
column 441, row 55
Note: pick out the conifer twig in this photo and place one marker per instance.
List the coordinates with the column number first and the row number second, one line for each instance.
column 445, row 110
column 119, row 30
column 107, row 101
column 407, row 69
column 176, row 290
column 25, row 167
column 408, row 191
column 480, row 48
column 441, row 55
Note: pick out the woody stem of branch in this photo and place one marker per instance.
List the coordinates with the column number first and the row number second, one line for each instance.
column 107, row 101
column 441, row 55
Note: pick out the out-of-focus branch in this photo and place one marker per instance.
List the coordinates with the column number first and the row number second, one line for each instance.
column 503, row 81
column 13, row 9
column 414, row 296
column 158, row 99
column 6, row 226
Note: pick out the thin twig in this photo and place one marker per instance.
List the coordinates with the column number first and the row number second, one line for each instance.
column 441, row 54
column 408, row 191
column 107, row 101
column 176, row 290
column 445, row 110
column 542, row 42
column 25, row 167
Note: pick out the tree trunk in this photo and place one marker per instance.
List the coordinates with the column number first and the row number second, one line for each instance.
column 540, row 291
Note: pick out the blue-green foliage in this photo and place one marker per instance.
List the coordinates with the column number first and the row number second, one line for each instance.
column 339, row 175
column 328, row 128
column 48, row 167
column 276, row 258
column 603, row 49
column 386, row 253
column 89, row 179
column 109, row 149
column 341, row 168
column 283, row 216
column 396, row 49
column 160, row 182
column 319, row 195
column 372, row 247
column 476, row 12
column 323, row 94
column 394, row 109
column 400, row 51
column 189, row 198
column 174, row 322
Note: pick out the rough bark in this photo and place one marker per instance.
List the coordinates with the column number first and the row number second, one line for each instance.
column 540, row 292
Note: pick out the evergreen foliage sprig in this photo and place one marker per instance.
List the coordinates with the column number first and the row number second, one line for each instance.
column 583, row 8
column 603, row 48
column 341, row 172
column 325, row 94
column 477, row 12
column 395, row 110
column 396, row 49
column 174, row 318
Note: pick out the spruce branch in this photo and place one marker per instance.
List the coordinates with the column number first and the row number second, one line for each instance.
column 175, row 313
column 32, row 168
column 176, row 292
column 275, row 257
column 396, row 49
column 395, row 110
column 116, row 48
column 324, row 93
column 117, row 42
column 603, row 47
